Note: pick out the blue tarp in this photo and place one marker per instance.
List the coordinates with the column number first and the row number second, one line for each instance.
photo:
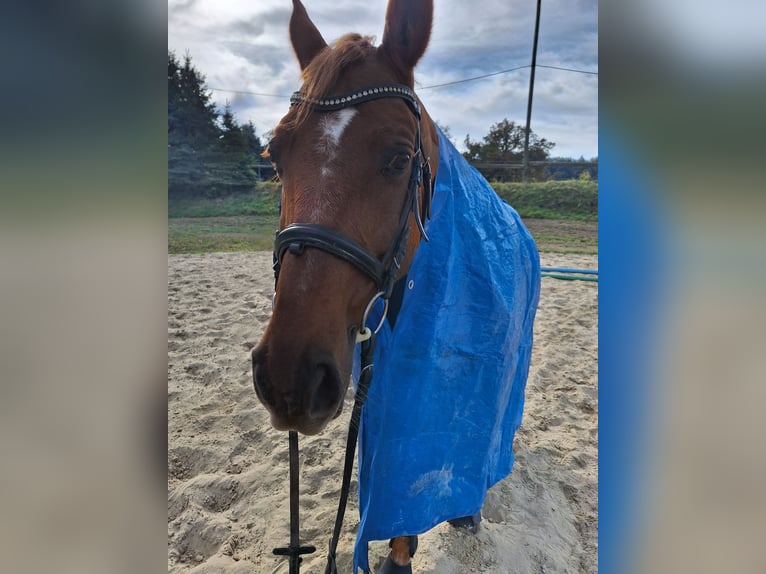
column 448, row 388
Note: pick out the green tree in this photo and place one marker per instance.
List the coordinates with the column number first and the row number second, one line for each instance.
column 571, row 168
column 505, row 144
column 232, row 137
column 206, row 157
column 262, row 168
column 233, row 167
column 192, row 129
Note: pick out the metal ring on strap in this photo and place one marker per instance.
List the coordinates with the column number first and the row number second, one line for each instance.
column 365, row 333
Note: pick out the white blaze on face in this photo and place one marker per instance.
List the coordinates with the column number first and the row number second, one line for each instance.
column 332, row 126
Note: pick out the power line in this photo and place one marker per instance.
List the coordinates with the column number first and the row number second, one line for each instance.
column 463, row 81
column 568, row 69
column 474, row 78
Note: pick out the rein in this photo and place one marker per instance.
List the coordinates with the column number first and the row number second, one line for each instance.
column 294, row 551
column 382, row 271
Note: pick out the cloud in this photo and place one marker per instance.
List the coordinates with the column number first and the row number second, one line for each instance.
column 242, row 45
column 180, row 7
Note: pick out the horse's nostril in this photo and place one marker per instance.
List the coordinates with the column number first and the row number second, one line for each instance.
column 300, row 395
column 325, row 390
column 260, row 375
column 258, row 355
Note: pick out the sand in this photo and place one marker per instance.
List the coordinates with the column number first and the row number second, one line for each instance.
column 227, row 468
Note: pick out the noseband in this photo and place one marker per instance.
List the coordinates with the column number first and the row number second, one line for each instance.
column 297, row 236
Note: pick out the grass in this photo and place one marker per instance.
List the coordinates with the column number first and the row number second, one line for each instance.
column 256, row 233
column 561, row 215
column 564, row 236
column 211, row 234
column 263, row 201
column 571, row 199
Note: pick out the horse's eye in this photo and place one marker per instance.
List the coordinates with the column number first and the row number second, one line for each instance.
column 399, row 163
column 271, row 152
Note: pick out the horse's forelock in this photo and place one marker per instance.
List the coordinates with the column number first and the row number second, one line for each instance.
column 327, row 67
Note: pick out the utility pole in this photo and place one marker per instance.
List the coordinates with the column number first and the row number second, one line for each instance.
column 525, row 169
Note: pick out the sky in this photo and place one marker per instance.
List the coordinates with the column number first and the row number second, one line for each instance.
column 243, row 46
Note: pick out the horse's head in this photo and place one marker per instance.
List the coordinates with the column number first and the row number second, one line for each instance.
column 352, row 154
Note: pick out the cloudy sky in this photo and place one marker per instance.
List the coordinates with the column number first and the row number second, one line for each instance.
column 243, row 46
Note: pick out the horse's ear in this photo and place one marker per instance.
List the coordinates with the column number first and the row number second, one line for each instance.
column 304, row 36
column 407, row 31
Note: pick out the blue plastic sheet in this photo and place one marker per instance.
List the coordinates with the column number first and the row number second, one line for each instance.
column 448, row 388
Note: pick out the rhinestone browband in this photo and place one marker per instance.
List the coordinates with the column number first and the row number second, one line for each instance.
column 341, row 101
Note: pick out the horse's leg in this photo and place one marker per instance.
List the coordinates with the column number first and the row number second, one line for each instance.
column 399, row 560
column 469, row 523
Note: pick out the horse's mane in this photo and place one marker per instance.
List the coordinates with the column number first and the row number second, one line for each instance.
column 324, row 71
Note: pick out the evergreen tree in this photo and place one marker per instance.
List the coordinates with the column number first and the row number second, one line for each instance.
column 254, row 147
column 205, row 157
column 232, row 137
column 192, row 130
column 233, row 168
column 262, row 168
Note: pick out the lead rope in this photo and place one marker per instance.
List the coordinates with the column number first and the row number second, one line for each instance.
column 295, row 550
column 365, row 378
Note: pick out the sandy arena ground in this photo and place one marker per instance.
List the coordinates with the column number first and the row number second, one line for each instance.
column 227, row 468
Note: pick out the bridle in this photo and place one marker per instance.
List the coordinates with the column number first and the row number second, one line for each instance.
column 297, row 236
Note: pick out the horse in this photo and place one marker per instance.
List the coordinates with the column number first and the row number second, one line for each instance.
column 358, row 157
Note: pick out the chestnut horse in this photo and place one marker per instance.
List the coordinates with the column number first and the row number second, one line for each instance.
column 349, row 171
column 357, row 157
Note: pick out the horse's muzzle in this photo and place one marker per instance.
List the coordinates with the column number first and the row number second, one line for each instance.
column 302, row 395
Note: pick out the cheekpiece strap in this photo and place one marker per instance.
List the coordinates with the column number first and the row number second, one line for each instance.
column 340, row 101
